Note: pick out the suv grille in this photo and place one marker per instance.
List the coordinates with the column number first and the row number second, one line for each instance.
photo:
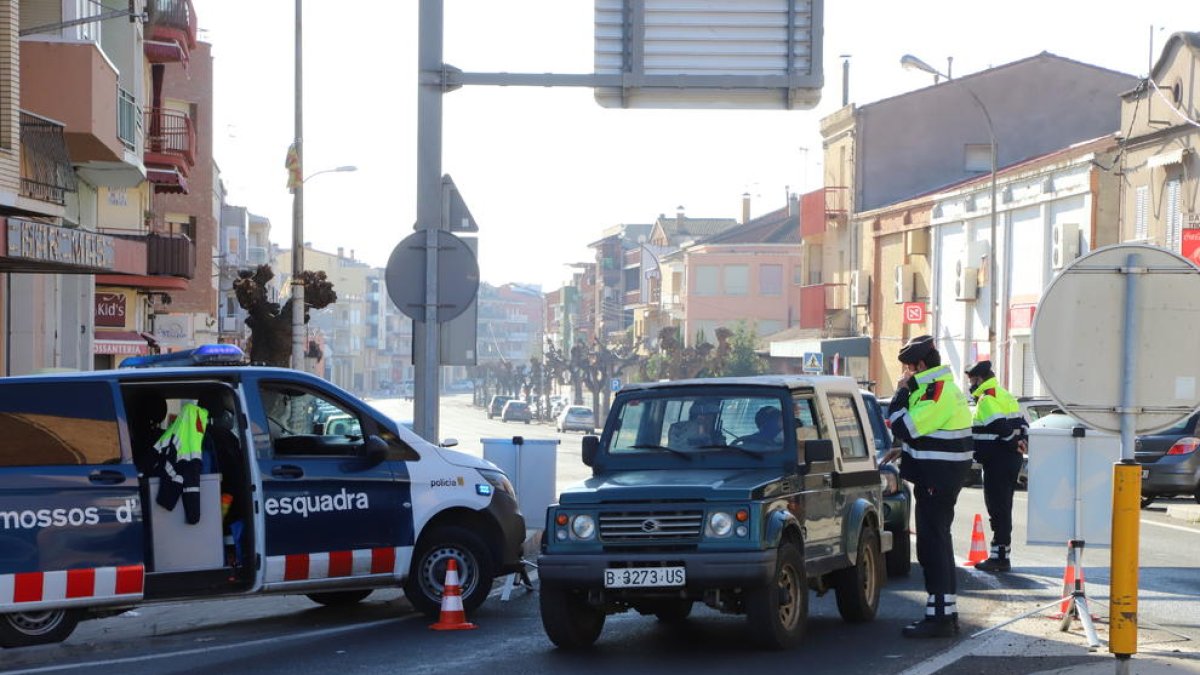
column 650, row 526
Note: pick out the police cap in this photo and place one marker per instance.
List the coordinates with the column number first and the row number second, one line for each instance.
column 917, row 349
column 983, row 369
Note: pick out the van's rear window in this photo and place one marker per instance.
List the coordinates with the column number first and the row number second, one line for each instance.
column 59, row 423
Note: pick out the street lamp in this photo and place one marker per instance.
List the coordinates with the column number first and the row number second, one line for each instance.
column 910, row 62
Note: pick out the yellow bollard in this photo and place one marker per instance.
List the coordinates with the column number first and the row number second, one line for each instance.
column 1126, row 515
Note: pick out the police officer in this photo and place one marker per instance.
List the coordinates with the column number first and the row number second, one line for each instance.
column 1000, row 432
column 929, row 415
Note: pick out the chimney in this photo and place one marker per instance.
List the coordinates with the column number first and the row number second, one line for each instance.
column 745, row 207
column 679, row 217
column 845, row 80
column 352, row 254
column 793, row 204
column 341, row 252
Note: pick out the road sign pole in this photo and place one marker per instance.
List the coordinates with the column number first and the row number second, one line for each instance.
column 426, row 338
column 1127, row 487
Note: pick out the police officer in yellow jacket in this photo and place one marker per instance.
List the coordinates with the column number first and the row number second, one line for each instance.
column 1000, row 432
column 929, row 415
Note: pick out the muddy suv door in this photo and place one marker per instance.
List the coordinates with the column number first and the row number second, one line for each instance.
column 70, row 519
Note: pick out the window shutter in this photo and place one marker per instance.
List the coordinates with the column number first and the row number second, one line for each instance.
column 1139, row 211
column 1173, row 216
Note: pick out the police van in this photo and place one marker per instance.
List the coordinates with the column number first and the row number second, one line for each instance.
column 168, row 481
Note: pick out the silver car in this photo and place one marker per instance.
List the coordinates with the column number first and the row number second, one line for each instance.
column 578, row 418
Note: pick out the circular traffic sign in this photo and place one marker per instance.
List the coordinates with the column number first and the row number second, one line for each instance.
column 1078, row 337
column 457, row 276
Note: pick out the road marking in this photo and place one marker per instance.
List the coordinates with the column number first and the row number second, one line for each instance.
column 1155, row 523
column 217, row 648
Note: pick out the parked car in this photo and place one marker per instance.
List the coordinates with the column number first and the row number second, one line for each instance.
column 1035, row 407
column 1170, row 462
column 577, row 418
column 496, row 406
column 897, row 495
column 516, row 411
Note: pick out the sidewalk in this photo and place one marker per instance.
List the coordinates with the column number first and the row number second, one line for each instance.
column 1188, row 512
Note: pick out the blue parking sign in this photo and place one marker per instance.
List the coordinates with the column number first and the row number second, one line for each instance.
column 615, row 385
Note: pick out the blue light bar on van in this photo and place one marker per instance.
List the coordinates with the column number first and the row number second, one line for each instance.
column 206, row 355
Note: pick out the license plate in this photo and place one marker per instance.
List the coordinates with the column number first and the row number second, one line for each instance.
column 643, row 577
column 1145, row 474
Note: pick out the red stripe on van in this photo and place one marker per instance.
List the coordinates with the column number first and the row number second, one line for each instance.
column 81, row 583
column 27, row 587
column 383, row 560
column 295, row 567
column 129, row 580
column 341, row 563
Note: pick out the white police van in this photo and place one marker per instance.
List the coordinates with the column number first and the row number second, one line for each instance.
column 299, row 487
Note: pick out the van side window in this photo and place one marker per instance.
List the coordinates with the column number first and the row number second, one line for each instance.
column 53, row 424
column 848, row 426
column 304, row 423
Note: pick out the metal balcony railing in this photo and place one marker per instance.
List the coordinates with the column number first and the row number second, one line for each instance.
column 129, row 119
column 46, row 173
column 170, row 255
column 172, row 20
column 171, row 133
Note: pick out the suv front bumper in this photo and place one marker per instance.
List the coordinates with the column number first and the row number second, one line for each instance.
column 703, row 570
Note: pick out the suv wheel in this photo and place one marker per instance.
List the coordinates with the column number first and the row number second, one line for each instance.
column 857, row 587
column 427, row 577
column 569, row 621
column 899, row 559
column 24, row 629
column 778, row 612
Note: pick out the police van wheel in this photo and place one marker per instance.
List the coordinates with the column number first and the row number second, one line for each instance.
column 569, row 621
column 339, row 598
column 857, row 588
column 428, row 575
column 24, row 629
column 778, row 612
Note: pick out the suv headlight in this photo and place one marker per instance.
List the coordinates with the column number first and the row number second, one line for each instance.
column 889, row 482
column 583, row 526
column 499, row 481
column 720, row 524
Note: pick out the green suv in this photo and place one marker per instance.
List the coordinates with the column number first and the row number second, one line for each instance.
column 741, row 493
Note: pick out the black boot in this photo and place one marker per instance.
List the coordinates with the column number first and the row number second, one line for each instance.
column 932, row 628
column 998, row 562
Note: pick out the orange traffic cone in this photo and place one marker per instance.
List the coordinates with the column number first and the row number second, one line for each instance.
column 452, row 616
column 1068, row 589
column 979, row 551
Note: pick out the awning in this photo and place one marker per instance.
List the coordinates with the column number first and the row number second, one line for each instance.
column 121, row 343
column 142, row 281
column 167, row 180
column 1167, row 158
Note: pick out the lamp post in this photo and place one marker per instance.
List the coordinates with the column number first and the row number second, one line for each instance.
column 298, row 332
column 911, row 62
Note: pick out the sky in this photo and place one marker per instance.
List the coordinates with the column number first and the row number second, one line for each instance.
column 546, row 170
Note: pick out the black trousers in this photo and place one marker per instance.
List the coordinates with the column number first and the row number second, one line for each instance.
column 935, row 548
column 1000, row 472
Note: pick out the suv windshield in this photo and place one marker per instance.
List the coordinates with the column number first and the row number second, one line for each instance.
column 692, row 424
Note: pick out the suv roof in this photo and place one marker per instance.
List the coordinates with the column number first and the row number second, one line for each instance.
column 836, row 382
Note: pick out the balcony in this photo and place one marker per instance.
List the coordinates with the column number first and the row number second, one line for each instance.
column 170, row 30
column 633, row 298
column 822, row 207
column 76, row 85
column 46, row 173
column 170, row 255
column 812, row 306
column 170, row 149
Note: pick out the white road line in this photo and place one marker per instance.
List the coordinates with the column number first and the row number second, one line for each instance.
column 208, row 649
column 1155, row 523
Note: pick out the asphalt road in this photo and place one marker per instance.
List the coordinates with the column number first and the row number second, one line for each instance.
column 291, row 634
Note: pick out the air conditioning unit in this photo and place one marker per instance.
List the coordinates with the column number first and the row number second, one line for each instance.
column 966, row 281
column 1064, row 244
column 916, row 242
column 903, row 283
column 860, row 288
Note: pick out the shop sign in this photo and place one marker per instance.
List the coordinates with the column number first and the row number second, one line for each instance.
column 110, row 310
column 1190, row 245
column 53, row 244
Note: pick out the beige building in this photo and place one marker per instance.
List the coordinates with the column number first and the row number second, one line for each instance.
column 1161, row 122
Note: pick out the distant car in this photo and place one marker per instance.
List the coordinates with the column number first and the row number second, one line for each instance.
column 516, row 411
column 496, row 406
column 1035, row 407
column 897, row 496
column 1170, row 462
column 577, row 418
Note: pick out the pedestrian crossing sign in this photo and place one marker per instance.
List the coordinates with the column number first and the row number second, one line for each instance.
column 814, row 362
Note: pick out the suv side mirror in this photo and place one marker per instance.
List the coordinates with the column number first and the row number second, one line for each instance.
column 591, row 445
column 374, row 449
column 818, row 450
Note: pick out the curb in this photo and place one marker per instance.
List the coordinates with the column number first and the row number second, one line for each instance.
column 1186, row 512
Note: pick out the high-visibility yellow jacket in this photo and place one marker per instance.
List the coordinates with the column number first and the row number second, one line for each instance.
column 931, row 417
column 998, row 423
column 179, row 461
